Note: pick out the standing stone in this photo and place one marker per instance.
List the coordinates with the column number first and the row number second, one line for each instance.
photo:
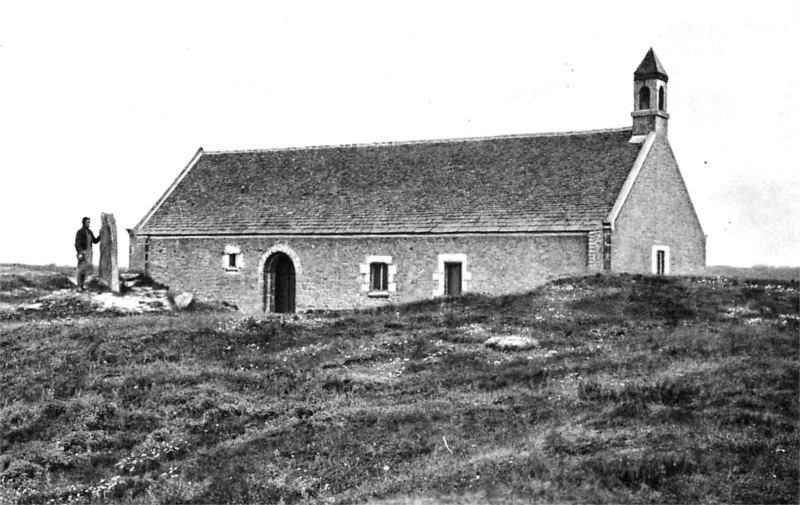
column 109, row 271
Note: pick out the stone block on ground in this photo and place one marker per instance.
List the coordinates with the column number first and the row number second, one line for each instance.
column 511, row 343
column 181, row 299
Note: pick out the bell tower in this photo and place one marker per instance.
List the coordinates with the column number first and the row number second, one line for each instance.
column 650, row 97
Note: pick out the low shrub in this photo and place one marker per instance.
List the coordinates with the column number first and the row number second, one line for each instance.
column 10, row 282
column 670, row 392
column 642, row 468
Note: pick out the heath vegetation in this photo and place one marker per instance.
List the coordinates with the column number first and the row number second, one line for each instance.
column 627, row 389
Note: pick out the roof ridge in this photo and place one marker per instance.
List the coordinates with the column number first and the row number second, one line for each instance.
column 426, row 141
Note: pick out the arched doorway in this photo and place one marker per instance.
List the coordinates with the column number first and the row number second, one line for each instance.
column 279, row 284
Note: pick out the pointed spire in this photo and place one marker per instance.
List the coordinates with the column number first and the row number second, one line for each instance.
column 650, row 68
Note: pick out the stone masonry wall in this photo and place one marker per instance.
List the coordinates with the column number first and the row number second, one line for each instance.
column 658, row 212
column 328, row 274
column 136, row 253
column 595, row 259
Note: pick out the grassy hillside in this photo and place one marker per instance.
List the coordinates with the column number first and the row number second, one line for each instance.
column 23, row 283
column 755, row 272
column 635, row 389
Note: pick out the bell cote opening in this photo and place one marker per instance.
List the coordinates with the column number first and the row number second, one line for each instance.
column 644, row 98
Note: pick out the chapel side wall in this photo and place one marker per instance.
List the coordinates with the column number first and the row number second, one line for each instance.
column 328, row 275
column 136, row 253
column 658, row 212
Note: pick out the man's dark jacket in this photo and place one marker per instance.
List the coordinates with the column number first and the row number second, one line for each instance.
column 84, row 239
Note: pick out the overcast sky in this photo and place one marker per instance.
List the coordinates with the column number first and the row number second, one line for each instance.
column 103, row 104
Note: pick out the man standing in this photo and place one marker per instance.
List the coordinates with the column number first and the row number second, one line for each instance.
column 83, row 245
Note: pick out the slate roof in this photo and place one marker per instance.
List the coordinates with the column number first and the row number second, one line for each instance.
column 521, row 183
column 650, row 68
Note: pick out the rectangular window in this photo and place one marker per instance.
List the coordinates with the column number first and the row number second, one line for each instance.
column 452, row 279
column 378, row 277
column 232, row 259
column 661, row 260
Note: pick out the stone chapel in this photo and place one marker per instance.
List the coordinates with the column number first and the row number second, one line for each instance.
column 363, row 225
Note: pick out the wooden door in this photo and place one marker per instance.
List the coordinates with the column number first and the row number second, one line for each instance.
column 452, row 279
column 283, row 285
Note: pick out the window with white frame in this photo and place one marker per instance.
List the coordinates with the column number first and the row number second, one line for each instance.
column 660, row 261
column 232, row 258
column 452, row 277
column 377, row 276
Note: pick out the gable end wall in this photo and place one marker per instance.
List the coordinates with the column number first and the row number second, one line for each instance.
column 658, row 212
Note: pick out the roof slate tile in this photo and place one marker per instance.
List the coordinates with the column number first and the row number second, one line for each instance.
column 523, row 183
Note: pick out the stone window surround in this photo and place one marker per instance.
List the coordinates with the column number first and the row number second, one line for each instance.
column 656, row 249
column 364, row 271
column 439, row 276
column 236, row 251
